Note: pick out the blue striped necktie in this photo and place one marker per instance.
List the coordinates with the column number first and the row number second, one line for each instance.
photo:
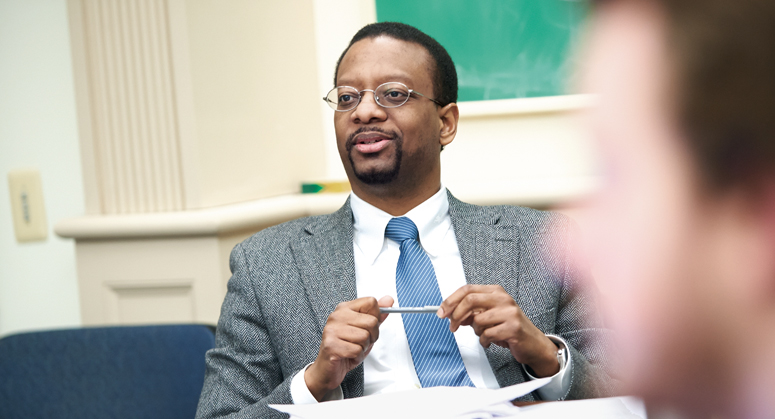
column 434, row 350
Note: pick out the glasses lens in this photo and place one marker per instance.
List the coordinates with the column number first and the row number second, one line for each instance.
column 391, row 95
column 342, row 98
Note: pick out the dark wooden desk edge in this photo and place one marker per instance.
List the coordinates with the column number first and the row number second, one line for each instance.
column 523, row 404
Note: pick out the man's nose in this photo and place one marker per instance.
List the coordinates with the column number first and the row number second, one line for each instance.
column 368, row 110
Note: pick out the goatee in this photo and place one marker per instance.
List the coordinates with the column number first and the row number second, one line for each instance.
column 375, row 176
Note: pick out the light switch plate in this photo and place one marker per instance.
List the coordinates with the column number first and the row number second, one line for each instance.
column 29, row 214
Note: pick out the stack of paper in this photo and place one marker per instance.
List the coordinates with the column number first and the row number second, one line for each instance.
column 609, row 408
column 434, row 402
column 466, row 403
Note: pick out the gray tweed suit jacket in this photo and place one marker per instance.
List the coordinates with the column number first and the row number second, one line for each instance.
column 287, row 279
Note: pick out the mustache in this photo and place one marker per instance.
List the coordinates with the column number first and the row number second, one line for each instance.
column 351, row 138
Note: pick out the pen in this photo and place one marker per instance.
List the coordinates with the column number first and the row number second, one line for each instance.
column 425, row 309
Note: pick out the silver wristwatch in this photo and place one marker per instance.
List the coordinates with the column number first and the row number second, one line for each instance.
column 561, row 357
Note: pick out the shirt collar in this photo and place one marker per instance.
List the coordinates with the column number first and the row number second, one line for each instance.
column 431, row 218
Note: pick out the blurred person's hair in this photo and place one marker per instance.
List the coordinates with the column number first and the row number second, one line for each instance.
column 721, row 56
column 443, row 73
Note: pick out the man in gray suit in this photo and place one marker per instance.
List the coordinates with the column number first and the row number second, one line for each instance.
column 301, row 322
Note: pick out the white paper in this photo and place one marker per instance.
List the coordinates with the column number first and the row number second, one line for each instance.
column 608, row 408
column 434, row 402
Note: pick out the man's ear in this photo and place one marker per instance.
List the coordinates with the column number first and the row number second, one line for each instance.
column 448, row 118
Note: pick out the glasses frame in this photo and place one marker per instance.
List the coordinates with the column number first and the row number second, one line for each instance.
column 333, row 105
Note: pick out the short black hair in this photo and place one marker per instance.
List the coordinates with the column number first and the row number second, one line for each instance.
column 444, row 75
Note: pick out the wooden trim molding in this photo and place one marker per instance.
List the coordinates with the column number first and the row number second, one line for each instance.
column 525, row 106
column 127, row 106
column 263, row 213
column 201, row 222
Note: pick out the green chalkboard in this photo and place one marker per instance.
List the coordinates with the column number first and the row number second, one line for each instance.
column 502, row 48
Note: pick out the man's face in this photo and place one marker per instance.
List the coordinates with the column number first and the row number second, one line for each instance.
column 656, row 242
column 388, row 145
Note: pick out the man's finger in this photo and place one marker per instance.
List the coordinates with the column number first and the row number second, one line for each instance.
column 361, row 337
column 449, row 305
column 367, row 323
column 348, row 350
column 499, row 314
column 494, row 334
column 472, row 304
column 366, row 305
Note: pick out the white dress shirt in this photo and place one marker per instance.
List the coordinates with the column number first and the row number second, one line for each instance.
column 389, row 366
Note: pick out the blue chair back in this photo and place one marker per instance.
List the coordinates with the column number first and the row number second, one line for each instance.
column 108, row 372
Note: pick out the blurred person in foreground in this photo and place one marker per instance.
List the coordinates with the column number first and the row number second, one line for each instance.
column 301, row 322
column 685, row 223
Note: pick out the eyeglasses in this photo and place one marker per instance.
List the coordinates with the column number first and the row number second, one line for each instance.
column 388, row 95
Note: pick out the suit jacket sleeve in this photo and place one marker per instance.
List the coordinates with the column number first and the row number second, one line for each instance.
column 243, row 373
column 578, row 322
column 530, row 254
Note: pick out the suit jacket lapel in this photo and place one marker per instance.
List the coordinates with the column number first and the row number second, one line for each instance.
column 489, row 251
column 324, row 256
column 490, row 255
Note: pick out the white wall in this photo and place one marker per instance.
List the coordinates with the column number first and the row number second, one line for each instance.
column 255, row 97
column 330, row 41
column 38, row 286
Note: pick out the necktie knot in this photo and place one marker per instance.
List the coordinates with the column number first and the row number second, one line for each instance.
column 400, row 229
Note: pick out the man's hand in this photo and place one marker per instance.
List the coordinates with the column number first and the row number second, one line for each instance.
column 496, row 318
column 350, row 332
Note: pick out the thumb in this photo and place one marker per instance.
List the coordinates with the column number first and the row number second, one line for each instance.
column 386, row 301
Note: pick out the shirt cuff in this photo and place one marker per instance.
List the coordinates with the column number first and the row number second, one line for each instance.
column 300, row 392
column 557, row 388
